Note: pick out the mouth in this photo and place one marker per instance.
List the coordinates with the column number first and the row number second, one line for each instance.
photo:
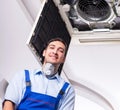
column 54, row 56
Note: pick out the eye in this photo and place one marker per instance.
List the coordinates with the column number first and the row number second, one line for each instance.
column 61, row 50
column 51, row 47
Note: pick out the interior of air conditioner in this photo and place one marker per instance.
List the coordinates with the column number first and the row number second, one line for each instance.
column 86, row 15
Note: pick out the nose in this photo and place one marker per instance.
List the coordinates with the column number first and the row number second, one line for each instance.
column 55, row 51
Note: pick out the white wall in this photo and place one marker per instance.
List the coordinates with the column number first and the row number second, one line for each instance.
column 15, row 27
column 14, row 32
column 93, row 68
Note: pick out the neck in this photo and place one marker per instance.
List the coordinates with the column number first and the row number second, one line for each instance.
column 56, row 66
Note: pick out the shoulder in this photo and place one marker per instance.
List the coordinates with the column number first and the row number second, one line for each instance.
column 68, row 99
column 70, row 88
column 20, row 75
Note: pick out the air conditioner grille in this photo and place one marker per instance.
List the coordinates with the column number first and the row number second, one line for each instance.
column 93, row 10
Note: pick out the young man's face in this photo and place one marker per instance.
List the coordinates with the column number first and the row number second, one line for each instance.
column 54, row 53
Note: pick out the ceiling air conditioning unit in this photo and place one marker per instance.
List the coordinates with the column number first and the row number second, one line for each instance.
column 93, row 14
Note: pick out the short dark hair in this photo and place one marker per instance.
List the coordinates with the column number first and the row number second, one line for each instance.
column 56, row 39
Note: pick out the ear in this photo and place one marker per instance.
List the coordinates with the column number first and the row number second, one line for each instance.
column 43, row 53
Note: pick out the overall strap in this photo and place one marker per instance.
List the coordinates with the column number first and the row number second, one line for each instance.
column 61, row 93
column 27, row 80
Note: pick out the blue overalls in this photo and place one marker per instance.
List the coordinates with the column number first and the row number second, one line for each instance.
column 38, row 101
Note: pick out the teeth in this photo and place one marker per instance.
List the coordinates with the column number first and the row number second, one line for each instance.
column 53, row 56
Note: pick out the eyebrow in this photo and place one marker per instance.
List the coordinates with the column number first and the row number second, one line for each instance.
column 54, row 45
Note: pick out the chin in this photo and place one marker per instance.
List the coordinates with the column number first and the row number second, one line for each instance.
column 55, row 63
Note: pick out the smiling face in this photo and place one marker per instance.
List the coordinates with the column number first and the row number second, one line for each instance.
column 54, row 53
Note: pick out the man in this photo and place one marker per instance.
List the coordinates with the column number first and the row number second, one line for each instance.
column 42, row 89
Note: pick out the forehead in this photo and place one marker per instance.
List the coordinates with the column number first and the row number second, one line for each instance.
column 57, row 44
